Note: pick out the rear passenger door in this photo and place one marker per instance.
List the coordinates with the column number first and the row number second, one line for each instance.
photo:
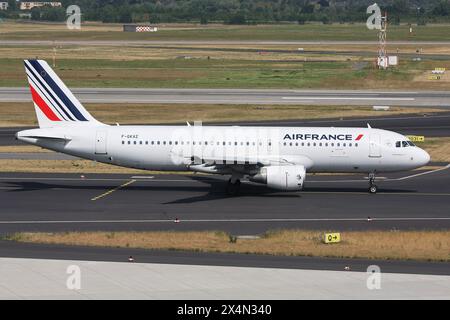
column 100, row 142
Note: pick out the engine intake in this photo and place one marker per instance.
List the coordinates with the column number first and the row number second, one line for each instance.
column 285, row 178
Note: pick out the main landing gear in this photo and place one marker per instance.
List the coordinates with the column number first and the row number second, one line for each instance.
column 233, row 187
column 372, row 186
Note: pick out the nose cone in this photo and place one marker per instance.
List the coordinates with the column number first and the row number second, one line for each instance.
column 18, row 135
column 423, row 158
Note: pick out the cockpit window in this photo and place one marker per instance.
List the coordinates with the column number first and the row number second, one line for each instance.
column 404, row 144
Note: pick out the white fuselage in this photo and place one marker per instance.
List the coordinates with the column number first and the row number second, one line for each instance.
column 181, row 148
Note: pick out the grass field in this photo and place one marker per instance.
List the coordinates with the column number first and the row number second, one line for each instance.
column 404, row 245
column 203, row 73
column 22, row 114
column 243, row 65
column 199, row 72
column 186, row 32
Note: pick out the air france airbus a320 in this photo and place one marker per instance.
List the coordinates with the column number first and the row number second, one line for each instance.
column 278, row 157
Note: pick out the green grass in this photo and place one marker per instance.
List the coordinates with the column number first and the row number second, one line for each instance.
column 285, row 32
column 223, row 73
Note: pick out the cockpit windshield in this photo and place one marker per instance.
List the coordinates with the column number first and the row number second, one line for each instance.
column 404, row 144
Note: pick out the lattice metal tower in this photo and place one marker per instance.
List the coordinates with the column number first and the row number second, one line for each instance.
column 382, row 37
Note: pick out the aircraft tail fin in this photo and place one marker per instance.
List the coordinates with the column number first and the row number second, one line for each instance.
column 54, row 103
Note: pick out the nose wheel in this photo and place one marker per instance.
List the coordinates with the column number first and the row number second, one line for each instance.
column 372, row 186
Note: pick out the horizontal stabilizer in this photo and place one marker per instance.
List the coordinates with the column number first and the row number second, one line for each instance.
column 42, row 134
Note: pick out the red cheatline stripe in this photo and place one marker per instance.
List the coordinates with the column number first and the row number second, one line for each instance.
column 43, row 106
column 359, row 137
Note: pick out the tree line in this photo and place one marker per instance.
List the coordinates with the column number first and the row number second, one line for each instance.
column 240, row 11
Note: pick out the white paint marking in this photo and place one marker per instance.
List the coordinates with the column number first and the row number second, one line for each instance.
column 89, row 179
column 349, row 98
column 221, row 220
column 422, row 173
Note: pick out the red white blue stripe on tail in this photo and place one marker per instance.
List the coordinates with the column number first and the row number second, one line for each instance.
column 54, row 102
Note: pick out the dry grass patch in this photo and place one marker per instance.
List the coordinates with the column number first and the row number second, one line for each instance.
column 129, row 52
column 22, row 114
column 404, row 245
column 23, row 149
column 438, row 148
column 19, row 27
column 149, row 52
column 74, row 166
column 63, row 166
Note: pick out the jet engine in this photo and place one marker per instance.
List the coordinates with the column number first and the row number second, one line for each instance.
column 285, row 178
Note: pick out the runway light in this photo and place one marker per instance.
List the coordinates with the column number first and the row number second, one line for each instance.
column 130, row 259
column 347, row 268
column 176, row 220
column 369, row 219
column 82, row 177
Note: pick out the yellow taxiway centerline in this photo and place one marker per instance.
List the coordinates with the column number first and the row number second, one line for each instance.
column 107, row 193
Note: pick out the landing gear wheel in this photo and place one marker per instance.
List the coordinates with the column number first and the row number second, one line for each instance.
column 372, row 186
column 233, row 188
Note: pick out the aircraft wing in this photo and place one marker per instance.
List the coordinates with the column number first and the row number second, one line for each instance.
column 261, row 161
column 246, row 164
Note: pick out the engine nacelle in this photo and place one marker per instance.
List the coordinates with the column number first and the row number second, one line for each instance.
column 285, row 178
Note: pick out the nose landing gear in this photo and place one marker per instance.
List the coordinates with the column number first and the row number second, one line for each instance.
column 233, row 187
column 372, row 186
